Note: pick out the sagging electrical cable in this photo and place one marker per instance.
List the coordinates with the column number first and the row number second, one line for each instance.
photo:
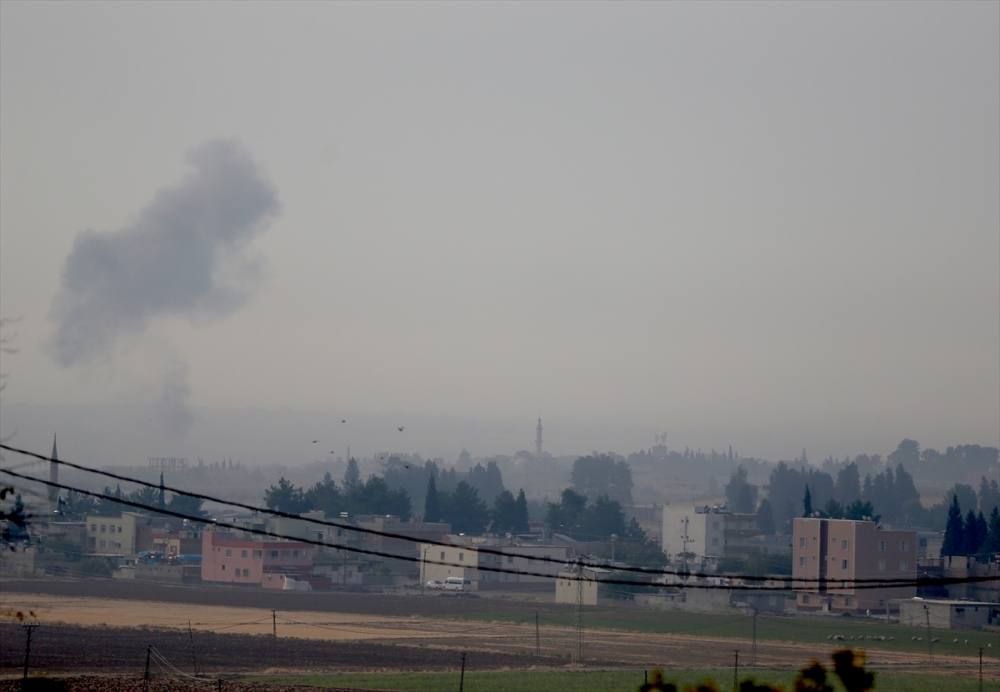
column 855, row 583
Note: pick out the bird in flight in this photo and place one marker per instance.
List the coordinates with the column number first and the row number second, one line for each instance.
column 344, row 421
column 401, row 428
column 315, row 441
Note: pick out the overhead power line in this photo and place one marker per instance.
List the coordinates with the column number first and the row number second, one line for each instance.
column 786, row 582
column 377, row 553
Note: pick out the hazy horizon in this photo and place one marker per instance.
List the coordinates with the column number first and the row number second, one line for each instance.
column 771, row 226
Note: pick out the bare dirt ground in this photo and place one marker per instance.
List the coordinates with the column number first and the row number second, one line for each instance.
column 341, row 632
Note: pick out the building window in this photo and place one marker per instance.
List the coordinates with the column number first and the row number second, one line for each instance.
column 772, row 600
column 531, row 560
column 93, row 528
column 104, row 528
column 223, row 568
column 461, row 557
column 903, row 565
column 295, row 553
column 715, row 526
column 243, row 553
column 845, row 544
column 960, row 612
column 102, row 544
column 805, row 598
column 881, row 603
column 510, row 559
column 258, row 553
column 881, row 565
column 881, row 546
column 922, row 543
column 843, row 564
column 848, row 602
column 442, row 554
column 802, row 542
column 119, row 529
column 802, row 562
column 229, row 552
column 274, row 554
column 904, row 546
column 246, row 573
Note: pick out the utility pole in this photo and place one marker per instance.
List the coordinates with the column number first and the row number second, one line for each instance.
column 145, row 676
column 980, row 669
column 194, row 661
column 461, row 680
column 578, row 645
column 538, row 641
column 753, row 652
column 930, row 651
column 274, row 627
column 30, row 627
column 736, row 668
column 423, row 572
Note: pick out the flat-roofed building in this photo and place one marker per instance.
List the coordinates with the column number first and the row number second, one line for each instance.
column 837, row 563
column 225, row 557
column 492, row 566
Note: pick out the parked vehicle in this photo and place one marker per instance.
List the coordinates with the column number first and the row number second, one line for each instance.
column 457, row 584
column 435, row 585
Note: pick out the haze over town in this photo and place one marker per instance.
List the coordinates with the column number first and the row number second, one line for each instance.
column 773, row 227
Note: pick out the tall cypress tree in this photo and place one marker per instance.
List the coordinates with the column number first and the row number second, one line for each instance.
column 807, row 501
column 432, row 507
column 954, row 540
column 521, row 513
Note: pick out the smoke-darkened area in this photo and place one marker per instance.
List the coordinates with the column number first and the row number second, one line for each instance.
column 186, row 253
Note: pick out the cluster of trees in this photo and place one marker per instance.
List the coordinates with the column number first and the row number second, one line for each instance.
column 962, row 461
column 467, row 512
column 600, row 475
column 373, row 496
column 976, row 535
column 460, row 503
column 77, row 506
column 890, row 495
column 598, row 522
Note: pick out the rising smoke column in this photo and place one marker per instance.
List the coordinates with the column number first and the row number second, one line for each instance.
column 187, row 253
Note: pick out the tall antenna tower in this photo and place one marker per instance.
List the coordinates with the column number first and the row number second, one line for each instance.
column 538, row 439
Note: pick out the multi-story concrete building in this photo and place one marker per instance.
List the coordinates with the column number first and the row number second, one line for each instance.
column 836, row 564
column 705, row 534
column 114, row 535
column 226, row 557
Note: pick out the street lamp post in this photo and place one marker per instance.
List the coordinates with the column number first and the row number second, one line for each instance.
column 614, row 537
column 423, row 572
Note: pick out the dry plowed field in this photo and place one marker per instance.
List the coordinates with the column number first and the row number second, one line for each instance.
column 106, row 627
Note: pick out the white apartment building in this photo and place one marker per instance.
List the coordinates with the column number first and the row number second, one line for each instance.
column 707, row 533
column 504, row 563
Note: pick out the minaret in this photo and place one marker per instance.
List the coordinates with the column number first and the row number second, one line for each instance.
column 538, row 439
column 53, row 478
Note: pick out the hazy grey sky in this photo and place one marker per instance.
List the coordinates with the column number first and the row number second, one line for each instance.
column 733, row 222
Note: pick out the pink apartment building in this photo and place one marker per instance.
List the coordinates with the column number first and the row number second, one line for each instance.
column 829, row 554
column 225, row 558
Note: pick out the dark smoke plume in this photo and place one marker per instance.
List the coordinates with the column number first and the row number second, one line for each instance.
column 186, row 254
